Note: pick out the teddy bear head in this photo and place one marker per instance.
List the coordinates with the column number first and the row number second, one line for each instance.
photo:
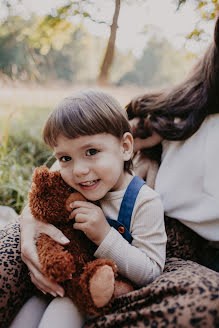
column 50, row 197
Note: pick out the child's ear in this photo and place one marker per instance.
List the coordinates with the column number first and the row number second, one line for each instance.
column 216, row 33
column 127, row 146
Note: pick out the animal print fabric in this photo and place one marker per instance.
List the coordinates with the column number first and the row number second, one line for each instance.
column 184, row 243
column 15, row 284
column 185, row 295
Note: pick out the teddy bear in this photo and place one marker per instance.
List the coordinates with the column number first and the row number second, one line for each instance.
column 91, row 283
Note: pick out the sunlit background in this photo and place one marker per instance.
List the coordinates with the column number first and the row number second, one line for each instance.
column 156, row 42
column 51, row 48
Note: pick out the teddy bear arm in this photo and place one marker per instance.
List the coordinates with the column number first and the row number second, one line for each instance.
column 56, row 262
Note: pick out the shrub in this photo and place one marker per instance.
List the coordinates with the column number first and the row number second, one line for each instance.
column 21, row 150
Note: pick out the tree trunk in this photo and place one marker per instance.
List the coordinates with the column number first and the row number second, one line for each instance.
column 108, row 58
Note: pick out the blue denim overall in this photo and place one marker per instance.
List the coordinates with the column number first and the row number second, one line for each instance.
column 122, row 225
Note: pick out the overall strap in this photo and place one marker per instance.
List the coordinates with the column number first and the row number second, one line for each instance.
column 128, row 202
column 126, row 208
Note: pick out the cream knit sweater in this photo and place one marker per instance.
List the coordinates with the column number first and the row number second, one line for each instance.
column 142, row 260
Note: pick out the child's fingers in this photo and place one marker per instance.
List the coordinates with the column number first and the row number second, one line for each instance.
column 79, row 203
column 77, row 211
column 81, row 218
column 148, row 142
column 81, row 226
column 134, row 123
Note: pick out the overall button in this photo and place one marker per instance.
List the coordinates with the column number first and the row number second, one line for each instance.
column 121, row 229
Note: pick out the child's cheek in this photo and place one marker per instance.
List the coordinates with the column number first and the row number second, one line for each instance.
column 65, row 174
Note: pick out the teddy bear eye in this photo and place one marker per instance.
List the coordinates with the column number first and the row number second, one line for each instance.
column 65, row 158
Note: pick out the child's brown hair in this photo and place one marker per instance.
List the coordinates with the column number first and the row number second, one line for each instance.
column 88, row 112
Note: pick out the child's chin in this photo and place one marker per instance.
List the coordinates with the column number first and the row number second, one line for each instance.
column 93, row 199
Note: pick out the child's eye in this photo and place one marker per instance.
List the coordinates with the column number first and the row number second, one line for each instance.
column 91, row 152
column 65, row 159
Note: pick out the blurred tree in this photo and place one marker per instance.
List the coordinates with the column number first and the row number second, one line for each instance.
column 146, row 67
column 54, row 31
column 16, row 57
column 122, row 63
column 106, row 66
column 26, row 55
column 160, row 64
column 52, row 26
column 108, row 58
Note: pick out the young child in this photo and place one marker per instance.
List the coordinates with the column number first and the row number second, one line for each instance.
column 90, row 135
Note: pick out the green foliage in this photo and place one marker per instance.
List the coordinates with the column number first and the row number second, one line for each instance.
column 195, row 34
column 29, row 50
column 21, row 150
column 159, row 64
column 145, row 68
column 44, row 50
column 49, row 32
column 208, row 10
column 180, row 3
column 15, row 56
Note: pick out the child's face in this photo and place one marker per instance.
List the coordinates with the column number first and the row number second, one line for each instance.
column 94, row 165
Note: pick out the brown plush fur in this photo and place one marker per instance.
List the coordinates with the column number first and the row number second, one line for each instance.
column 73, row 265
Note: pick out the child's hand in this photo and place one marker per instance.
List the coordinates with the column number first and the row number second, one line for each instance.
column 146, row 169
column 90, row 219
column 148, row 142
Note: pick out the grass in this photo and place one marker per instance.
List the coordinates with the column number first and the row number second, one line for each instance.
column 21, row 150
column 23, row 112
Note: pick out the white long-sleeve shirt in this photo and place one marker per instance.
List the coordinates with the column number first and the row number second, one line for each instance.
column 188, row 179
column 142, row 260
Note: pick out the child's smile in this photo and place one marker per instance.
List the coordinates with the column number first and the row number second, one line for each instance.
column 89, row 185
column 94, row 165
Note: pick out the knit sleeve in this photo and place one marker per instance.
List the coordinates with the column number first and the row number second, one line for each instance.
column 144, row 259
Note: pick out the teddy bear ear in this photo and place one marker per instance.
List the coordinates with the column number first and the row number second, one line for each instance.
column 216, row 33
column 40, row 174
column 43, row 178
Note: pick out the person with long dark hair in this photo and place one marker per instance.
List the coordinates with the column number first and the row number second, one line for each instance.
column 185, row 120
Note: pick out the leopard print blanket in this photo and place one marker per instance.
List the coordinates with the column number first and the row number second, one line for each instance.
column 15, row 284
column 185, row 295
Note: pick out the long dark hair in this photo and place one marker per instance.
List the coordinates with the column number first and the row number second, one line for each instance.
column 178, row 112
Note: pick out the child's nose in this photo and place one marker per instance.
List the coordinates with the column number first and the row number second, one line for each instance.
column 80, row 169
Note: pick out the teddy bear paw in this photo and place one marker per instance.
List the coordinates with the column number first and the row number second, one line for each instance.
column 102, row 286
